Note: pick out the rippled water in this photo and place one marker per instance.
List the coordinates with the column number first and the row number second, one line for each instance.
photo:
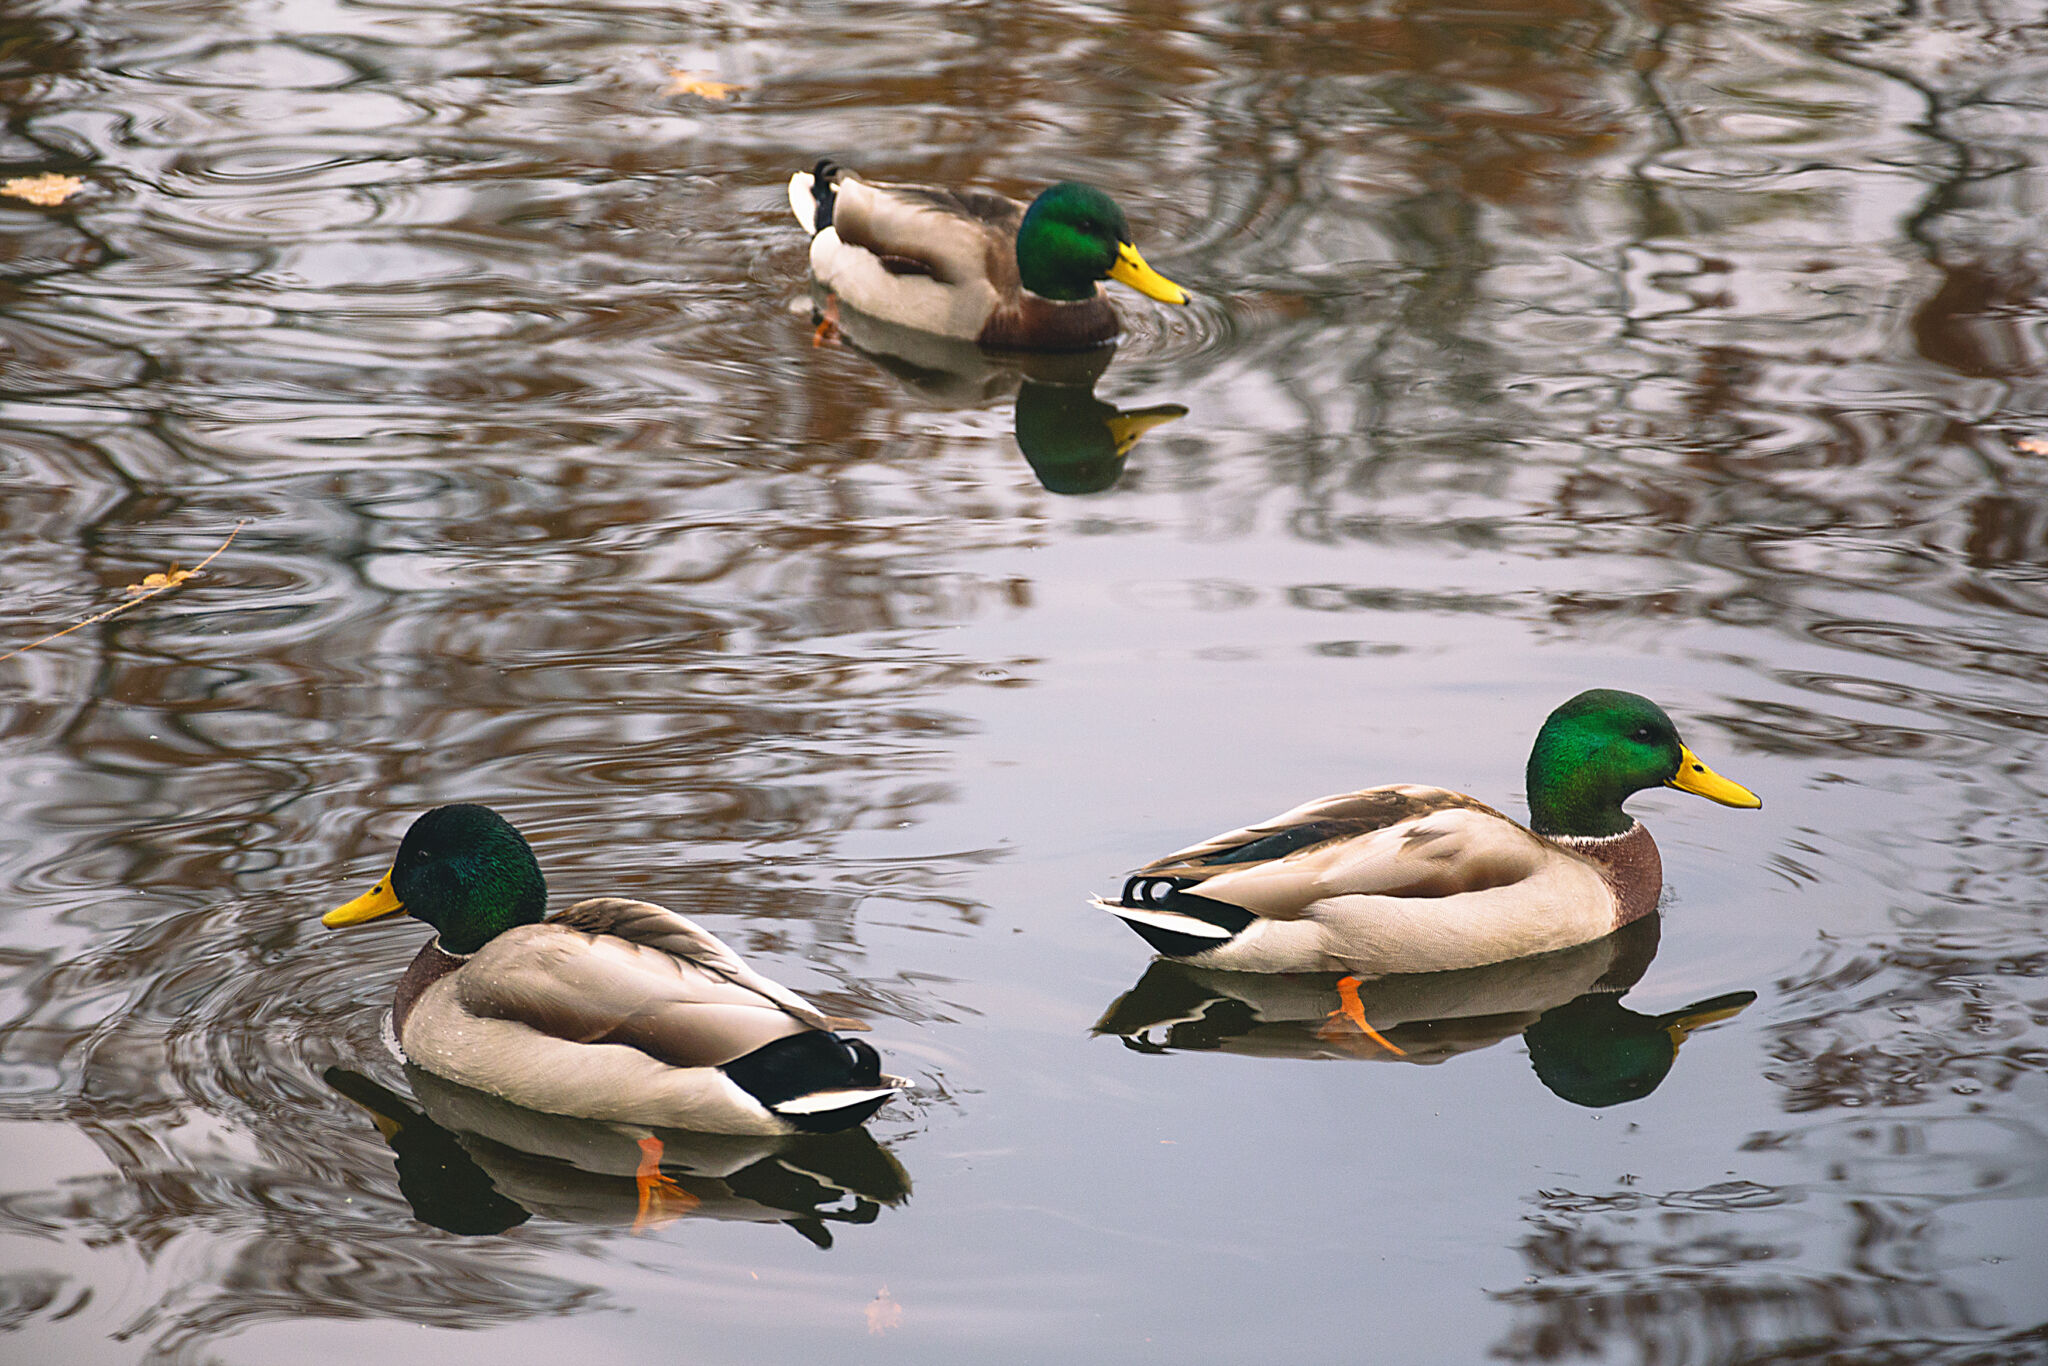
column 1535, row 346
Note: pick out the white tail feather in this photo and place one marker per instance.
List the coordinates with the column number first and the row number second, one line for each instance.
column 824, row 1102
column 802, row 203
column 1165, row 920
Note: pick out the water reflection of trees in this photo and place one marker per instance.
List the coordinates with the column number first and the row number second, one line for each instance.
column 1911, row 1022
column 502, row 373
column 1704, row 1294
column 1901, row 1063
column 1727, row 1273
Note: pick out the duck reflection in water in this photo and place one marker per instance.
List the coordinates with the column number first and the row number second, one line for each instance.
column 1073, row 441
column 471, row 1163
column 1584, row 1044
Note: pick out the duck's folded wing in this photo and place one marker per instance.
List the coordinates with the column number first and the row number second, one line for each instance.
column 953, row 236
column 612, row 970
column 1384, row 841
column 1312, row 824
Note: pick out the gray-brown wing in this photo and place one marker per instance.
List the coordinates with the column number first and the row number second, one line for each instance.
column 951, row 235
column 1308, row 827
column 612, row 970
column 998, row 211
column 1441, row 852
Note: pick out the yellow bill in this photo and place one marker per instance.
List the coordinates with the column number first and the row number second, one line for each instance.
column 1706, row 1013
column 1696, row 778
column 379, row 900
column 1126, row 428
column 1130, row 269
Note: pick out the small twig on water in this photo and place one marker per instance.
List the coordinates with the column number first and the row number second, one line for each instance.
column 150, row 586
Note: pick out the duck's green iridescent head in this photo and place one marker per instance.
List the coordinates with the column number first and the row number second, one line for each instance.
column 1600, row 748
column 1074, row 235
column 462, row 869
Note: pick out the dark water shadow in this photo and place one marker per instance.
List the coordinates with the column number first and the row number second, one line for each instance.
column 1073, row 441
column 471, row 1163
column 1584, row 1045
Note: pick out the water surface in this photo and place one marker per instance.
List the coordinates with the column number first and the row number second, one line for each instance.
column 1535, row 346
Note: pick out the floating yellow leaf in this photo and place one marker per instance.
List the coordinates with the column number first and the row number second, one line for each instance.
column 2033, row 445
column 884, row 1313
column 151, row 585
column 47, row 190
column 698, row 84
column 154, row 582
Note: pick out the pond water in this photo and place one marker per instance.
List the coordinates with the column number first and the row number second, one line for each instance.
column 1535, row 345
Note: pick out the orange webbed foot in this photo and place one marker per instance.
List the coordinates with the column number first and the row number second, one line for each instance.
column 1352, row 1009
column 827, row 331
column 662, row 1201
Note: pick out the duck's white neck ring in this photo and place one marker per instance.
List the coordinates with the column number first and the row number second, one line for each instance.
column 1592, row 844
column 438, row 947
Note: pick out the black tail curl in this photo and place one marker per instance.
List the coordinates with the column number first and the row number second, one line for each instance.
column 1170, row 894
column 1151, row 892
column 824, row 191
column 803, row 1063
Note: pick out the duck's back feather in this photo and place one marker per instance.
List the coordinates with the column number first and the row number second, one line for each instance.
column 956, row 237
column 1402, row 840
column 656, row 927
column 612, row 970
column 1389, row 879
column 622, row 1010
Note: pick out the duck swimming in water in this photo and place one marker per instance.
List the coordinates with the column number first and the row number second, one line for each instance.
column 972, row 264
column 1421, row 879
column 614, row 1009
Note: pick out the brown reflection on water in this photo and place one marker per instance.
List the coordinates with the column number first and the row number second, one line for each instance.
column 1697, row 342
column 1623, row 1270
column 1653, row 1275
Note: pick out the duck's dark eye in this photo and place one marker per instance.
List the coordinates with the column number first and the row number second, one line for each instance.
column 1643, row 735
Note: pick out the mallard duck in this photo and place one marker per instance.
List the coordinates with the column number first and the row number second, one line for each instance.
column 1418, row 879
column 613, row 1009
column 972, row 264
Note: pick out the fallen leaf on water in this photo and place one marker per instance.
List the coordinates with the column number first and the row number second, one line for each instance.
column 153, row 582
column 47, row 190
column 151, row 585
column 2033, row 445
column 698, row 84
column 884, row 1313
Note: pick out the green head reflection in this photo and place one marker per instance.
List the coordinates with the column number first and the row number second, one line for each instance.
column 1597, row 1052
column 1075, row 442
